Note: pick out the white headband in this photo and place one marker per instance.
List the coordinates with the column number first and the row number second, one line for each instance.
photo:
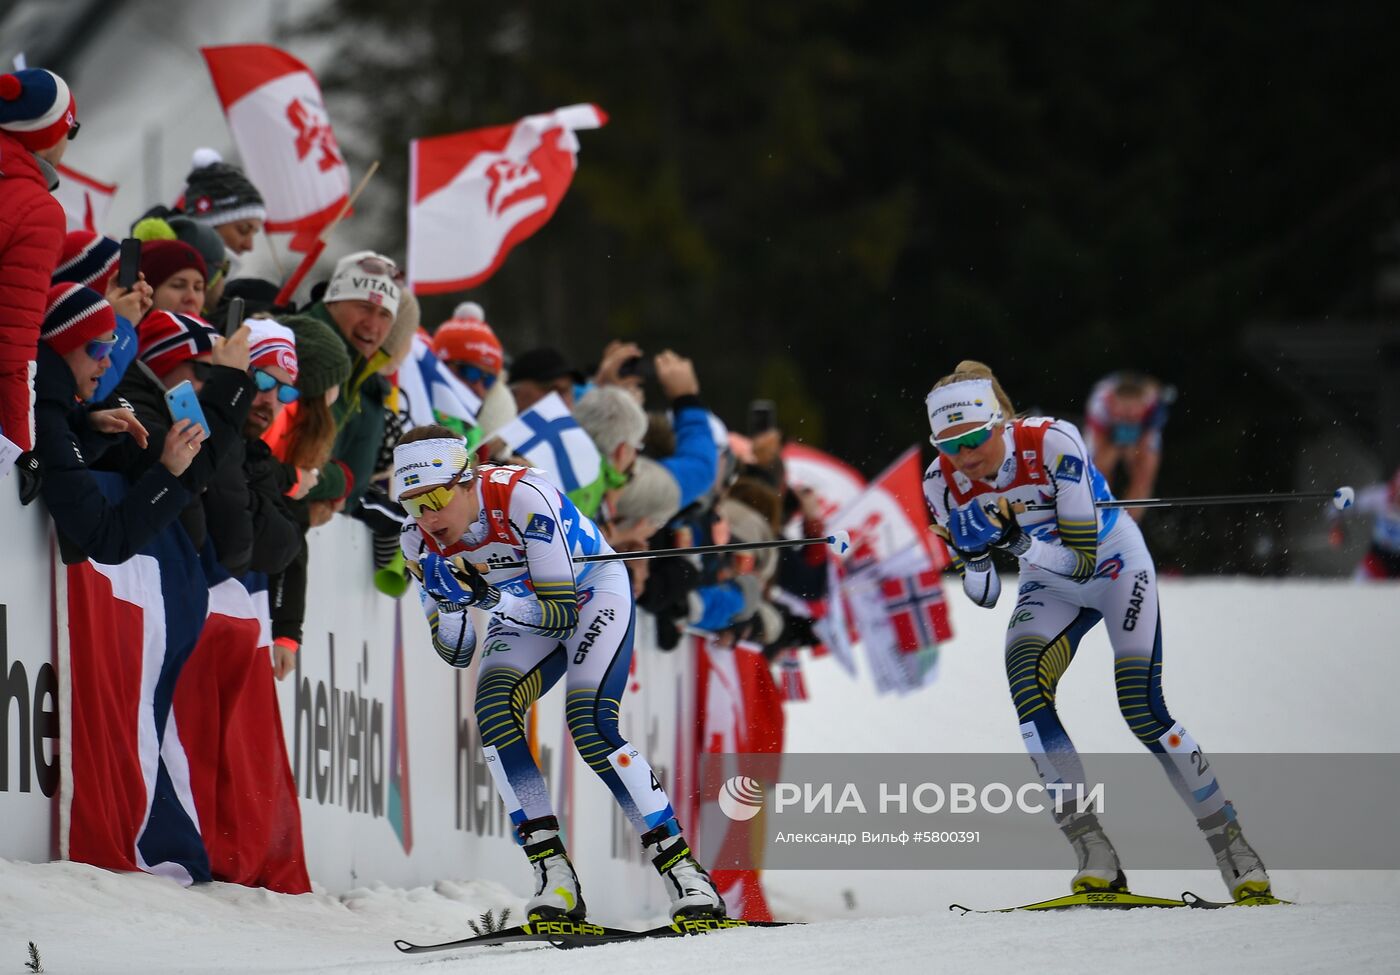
column 428, row 463
column 968, row 401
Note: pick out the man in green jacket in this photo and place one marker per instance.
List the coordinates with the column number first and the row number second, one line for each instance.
column 360, row 304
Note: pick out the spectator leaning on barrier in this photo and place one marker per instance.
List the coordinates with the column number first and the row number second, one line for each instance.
column 37, row 118
column 255, row 497
column 301, row 436
column 175, row 348
column 78, row 332
column 360, row 303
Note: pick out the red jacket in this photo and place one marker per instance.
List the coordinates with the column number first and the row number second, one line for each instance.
column 32, row 227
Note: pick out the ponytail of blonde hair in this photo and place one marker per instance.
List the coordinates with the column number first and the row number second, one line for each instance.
column 972, row 369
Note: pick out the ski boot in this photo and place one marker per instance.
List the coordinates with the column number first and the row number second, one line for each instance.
column 1240, row 867
column 693, row 893
column 1099, row 868
column 557, row 893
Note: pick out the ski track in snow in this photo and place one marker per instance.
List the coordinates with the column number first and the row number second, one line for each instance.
column 1304, row 696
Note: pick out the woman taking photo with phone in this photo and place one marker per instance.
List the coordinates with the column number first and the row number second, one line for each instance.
column 1079, row 565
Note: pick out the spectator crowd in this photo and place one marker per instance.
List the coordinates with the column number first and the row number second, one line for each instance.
column 298, row 407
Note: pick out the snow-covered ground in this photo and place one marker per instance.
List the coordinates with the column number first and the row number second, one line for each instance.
column 1242, row 675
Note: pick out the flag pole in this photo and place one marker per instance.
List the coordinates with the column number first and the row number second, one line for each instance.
column 317, row 249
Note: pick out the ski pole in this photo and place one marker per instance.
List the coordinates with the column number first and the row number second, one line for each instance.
column 838, row 542
column 1341, row 498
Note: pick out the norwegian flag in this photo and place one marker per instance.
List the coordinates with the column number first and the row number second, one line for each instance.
column 178, row 764
column 474, row 195
column 279, row 122
column 85, row 200
column 917, row 610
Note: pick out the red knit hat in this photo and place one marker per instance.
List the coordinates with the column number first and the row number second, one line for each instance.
column 36, row 108
column 163, row 259
column 88, row 258
column 465, row 337
column 168, row 338
column 75, row 315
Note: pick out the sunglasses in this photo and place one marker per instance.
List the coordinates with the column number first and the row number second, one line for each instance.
column 266, row 382
column 73, row 130
column 434, row 500
column 474, row 374
column 964, row 441
column 99, row 349
column 381, row 266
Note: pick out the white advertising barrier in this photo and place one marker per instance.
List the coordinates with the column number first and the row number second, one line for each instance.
column 381, row 735
column 393, row 786
column 28, row 684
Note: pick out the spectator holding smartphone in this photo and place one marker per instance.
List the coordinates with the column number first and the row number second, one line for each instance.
column 78, row 333
column 175, row 348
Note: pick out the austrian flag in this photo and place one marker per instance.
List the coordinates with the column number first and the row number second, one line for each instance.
column 475, row 195
column 279, row 122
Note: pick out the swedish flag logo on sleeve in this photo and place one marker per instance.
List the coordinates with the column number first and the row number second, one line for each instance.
column 540, row 528
column 1070, row 468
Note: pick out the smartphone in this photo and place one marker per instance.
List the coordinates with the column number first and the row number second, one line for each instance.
column 129, row 264
column 235, row 316
column 763, row 416
column 638, row 365
column 184, row 405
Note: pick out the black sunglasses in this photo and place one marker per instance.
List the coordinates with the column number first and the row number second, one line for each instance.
column 73, row 130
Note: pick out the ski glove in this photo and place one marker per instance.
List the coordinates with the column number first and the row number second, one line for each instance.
column 1012, row 538
column 972, row 530
column 456, row 585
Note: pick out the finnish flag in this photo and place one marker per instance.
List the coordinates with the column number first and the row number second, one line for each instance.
column 429, row 387
column 550, row 438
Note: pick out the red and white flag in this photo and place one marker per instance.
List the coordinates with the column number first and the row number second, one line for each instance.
column 278, row 119
column 85, row 200
column 889, row 517
column 474, row 195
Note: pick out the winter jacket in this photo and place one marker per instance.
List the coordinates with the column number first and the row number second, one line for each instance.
column 695, row 461
column 32, row 228
column 276, row 536
column 89, row 526
column 359, row 422
column 225, row 399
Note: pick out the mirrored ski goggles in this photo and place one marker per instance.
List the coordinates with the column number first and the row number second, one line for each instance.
column 266, row 382
column 99, row 349
column 474, row 374
column 436, row 499
column 970, row 440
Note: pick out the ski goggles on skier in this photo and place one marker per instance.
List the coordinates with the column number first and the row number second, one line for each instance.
column 266, row 382
column 436, row 499
column 970, row 440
